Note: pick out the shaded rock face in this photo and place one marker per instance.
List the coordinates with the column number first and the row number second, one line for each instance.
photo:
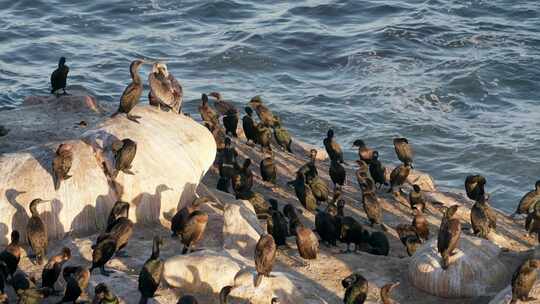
column 475, row 269
column 505, row 295
column 173, row 154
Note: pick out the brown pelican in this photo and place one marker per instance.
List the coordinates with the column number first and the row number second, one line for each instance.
column 165, row 88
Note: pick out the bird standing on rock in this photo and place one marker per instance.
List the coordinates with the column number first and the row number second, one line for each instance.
column 523, row 281
column 11, row 256
column 121, row 230
column 319, row 187
column 529, row 199
column 417, row 199
column 53, row 268
column 207, row 113
column 265, row 254
column 350, row 231
column 193, row 230
column 119, row 209
column 290, row 212
column 376, row 170
column 268, row 169
column 356, row 289
column 399, row 176
column 409, row 237
column 332, row 147
column 37, row 233
column 283, row 138
column 532, row 222
column 77, row 279
column 278, row 227
column 124, row 152
column 265, row 115
column 249, row 126
column 264, row 137
column 364, row 153
column 230, row 122
column 246, row 178
column 404, row 151
column 181, row 218
column 165, row 88
column 103, row 295
column 227, row 165
column 132, row 93
column 474, row 187
column 222, row 106
column 307, row 243
column 304, row 193
column 483, row 218
column 151, row 273
column 449, row 234
column 103, row 251
column 337, row 173
column 362, row 171
column 371, row 203
column 62, row 164
column 59, row 77
column 229, row 113
column 326, row 226
column 309, row 169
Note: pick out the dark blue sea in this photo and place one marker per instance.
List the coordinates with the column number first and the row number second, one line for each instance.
column 459, row 78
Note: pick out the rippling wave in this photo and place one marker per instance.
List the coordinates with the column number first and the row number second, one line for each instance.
column 459, row 78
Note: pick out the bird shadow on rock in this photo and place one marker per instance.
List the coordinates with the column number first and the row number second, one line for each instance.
column 20, row 218
column 104, row 204
column 86, row 222
column 148, row 205
column 44, row 156
column 51, row 219
column 4, row 234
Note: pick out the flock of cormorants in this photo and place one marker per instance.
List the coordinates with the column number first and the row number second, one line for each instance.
column 189, row 223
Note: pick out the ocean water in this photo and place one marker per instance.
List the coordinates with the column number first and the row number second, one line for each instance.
column 459, row 78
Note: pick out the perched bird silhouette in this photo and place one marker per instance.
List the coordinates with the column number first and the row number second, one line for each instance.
column 132, row 93
column 59, row 77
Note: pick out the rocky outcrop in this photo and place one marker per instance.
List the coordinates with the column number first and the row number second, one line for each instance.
column 173, row 154
column 207, row 271
column 475, row 269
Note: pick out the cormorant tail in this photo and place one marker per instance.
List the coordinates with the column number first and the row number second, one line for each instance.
column 258, row 279
column 289, row 147
column 57, row 182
